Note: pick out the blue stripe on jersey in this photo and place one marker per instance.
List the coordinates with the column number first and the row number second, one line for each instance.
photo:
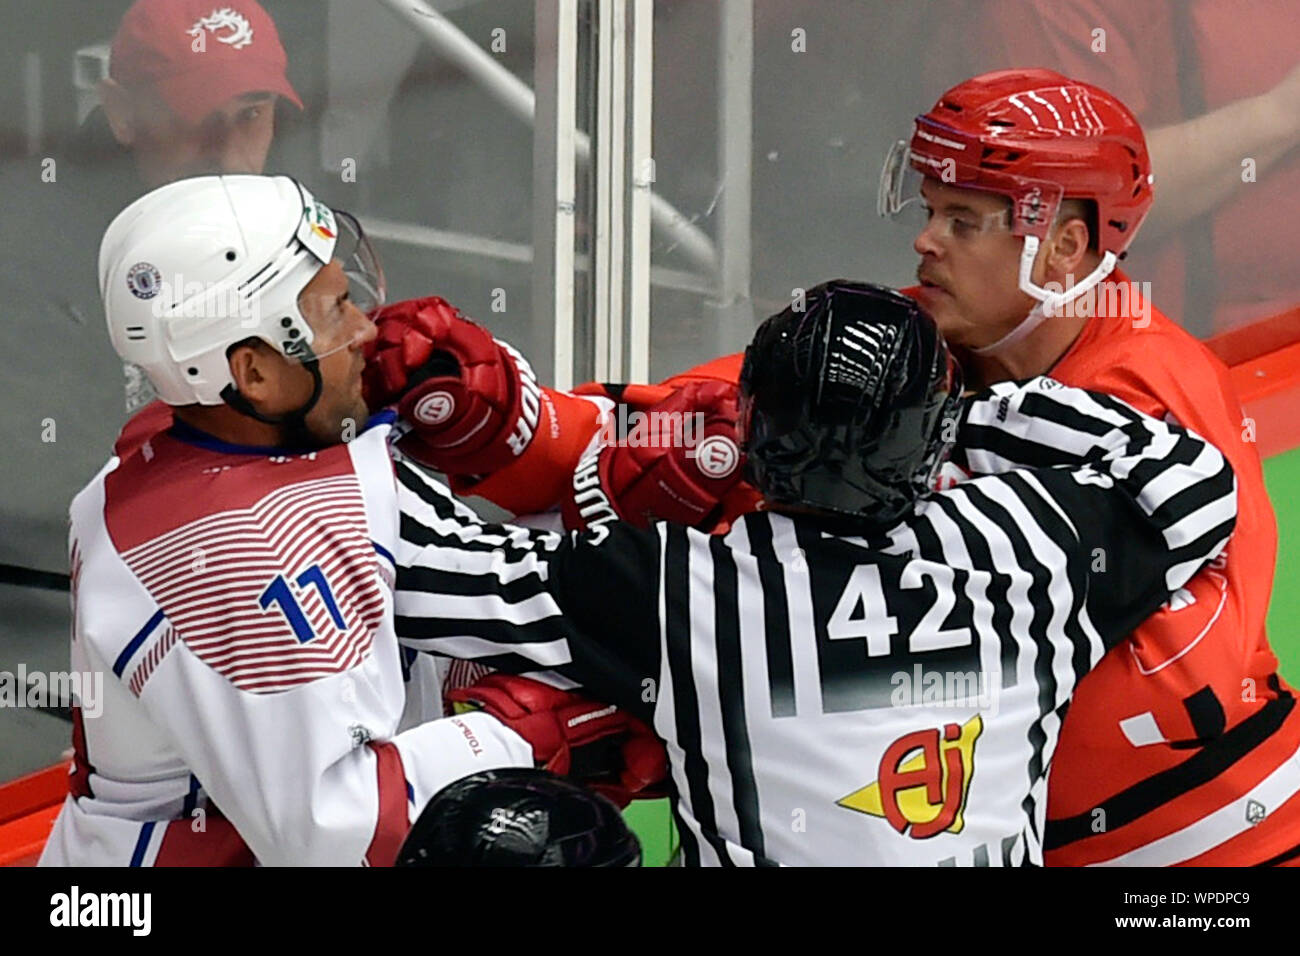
column 134, row 645
column 384, row 552
column 142, row 843
column 190, row 435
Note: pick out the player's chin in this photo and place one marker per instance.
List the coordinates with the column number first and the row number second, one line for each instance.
column 946, row 312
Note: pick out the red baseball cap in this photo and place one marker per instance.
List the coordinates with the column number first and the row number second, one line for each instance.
column 198, row 54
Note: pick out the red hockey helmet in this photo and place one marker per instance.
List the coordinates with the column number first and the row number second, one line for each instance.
column 1036, row 137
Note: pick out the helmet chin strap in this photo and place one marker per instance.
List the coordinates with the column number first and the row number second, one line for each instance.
column 296, row 418
column 1049, row 303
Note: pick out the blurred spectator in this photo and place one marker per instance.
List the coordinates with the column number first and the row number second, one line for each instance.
column 191, row 88
column 1217, row 84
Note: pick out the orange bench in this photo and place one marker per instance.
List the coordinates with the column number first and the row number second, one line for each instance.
column 28, row 807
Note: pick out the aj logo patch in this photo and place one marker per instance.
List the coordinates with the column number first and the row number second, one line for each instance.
column 923, row 781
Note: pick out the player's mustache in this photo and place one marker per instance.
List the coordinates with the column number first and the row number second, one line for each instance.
column 926, row 276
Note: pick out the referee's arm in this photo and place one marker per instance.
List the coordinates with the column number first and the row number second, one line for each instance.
column 1147, row 502
column 575, row 609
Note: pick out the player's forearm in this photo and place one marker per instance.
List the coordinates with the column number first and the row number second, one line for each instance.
column 1040, row 423
column 538, row 480
column 359, row 808
column 1180, row 482
column 472, row 590
column 1198, row 162
column 441, row 752
column 275, row 770
column 572, row 610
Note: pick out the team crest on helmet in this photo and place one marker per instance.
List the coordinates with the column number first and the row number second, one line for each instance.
column 144, row 280
column 923, row 781
column 238, row 32
column 321, row 220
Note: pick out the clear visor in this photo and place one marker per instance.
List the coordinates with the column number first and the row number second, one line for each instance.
column 360, row 264
column 899, row 198
column 900, row 182
column 334, row 320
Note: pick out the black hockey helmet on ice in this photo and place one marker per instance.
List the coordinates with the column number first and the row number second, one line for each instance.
column 519, row 817
column 844, row 398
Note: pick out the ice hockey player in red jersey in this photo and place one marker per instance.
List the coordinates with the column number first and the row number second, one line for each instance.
column 1184, row 749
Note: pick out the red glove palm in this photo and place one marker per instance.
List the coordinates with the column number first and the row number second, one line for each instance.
column 600, row 745
column 650, row 473
column 473, row 403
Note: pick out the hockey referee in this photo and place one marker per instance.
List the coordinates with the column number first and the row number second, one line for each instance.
column 865, row 672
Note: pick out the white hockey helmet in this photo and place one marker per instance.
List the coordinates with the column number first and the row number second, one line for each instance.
column 196, row 266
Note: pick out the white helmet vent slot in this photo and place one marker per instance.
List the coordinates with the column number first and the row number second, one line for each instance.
column 254, row 277
column 248, row 293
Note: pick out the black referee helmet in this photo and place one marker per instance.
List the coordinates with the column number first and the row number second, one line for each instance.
column 844, row 402
column 519, row 817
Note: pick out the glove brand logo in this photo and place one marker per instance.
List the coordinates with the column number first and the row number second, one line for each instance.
column 592, row 715
column 435, row 408
column 475, row 747
column 593, row 504
column 923, row 782
column 717, row 456
column 144, row 280
column 240, row 30
column 530, row 398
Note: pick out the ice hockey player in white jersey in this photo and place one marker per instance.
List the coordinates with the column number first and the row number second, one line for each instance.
column 233, row 570
column 865, row 672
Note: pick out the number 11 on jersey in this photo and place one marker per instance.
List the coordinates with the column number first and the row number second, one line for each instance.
column 280, row 594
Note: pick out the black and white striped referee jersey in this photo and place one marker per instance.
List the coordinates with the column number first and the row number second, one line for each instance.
column 833, row 699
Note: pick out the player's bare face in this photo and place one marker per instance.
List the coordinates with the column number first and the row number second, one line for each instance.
column 232, row 139
column 342, row 331
column 970, row 261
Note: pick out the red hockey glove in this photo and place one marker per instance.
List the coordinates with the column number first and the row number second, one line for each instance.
column 600, row 745
column 651, row 473
column 473, row 402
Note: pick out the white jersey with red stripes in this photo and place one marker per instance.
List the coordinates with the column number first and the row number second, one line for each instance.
column 238, row 603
